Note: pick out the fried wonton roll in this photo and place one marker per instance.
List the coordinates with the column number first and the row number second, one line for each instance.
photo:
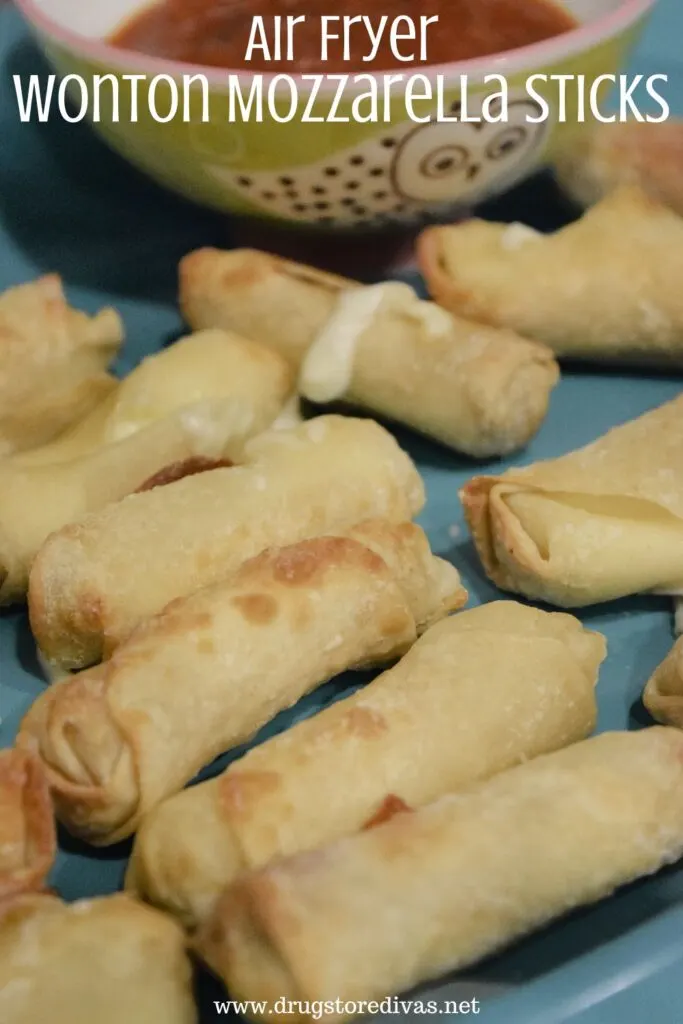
column 440, row 888
column 606, row 287
column 632, row 152
column 600, row 523
column 108, row 961
column 52, row 362
column 478, row 693
column 93, row 581
column 212, row 668
column 480, row 390
column 202, row 398
column 663, row 695
column 27, row 830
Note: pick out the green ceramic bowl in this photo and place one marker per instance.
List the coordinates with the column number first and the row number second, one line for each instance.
column 336, row 175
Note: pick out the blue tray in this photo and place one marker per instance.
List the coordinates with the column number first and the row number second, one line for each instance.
column 67, row 204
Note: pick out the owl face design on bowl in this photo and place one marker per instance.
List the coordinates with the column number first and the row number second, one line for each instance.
column 406, row 172
column 441, row 162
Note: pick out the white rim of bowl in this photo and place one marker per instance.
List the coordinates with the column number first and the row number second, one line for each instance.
column 508, row 62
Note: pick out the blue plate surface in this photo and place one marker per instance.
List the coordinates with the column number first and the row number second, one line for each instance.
column 67, row 204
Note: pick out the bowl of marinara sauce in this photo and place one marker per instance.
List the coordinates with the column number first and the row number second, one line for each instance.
column 336, row 114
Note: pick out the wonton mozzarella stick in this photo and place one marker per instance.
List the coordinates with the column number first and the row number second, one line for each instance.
column 109, row 961
column 204, row 396
column 441, row 888
column 27, row 830
column 205, row 367
column 606, row 287
column 478, row 693
column 278, row 302
column 636, row 153
column 52, row 362
column 600, row 523
column 95, row 580
column 480, row 390
column 211, row 669
column 106, row 960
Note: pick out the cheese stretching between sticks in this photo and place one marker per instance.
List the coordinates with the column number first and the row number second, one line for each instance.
column 205, row 396
column 107, row 960
column 478, row 693
column 211, row 669
column 606, row 287
column 477, row 389
column 95, row 580
column 27, row 829
column 441, row 888
column 600, row 523
column 52, row 362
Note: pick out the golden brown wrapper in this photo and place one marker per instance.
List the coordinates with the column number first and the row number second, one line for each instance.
column 107, row 960
column 210, row 670
column 278, row 302
column 27, row 830
column 205, row 396
column 663, row 694
column 599, row 523
column 53, row 362
column 606, row 287
column 478, row 693
column 477, row 389
column 95, row 580
column 110, row 960
column 443, row 887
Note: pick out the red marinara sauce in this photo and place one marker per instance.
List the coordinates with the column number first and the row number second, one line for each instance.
column 216, row 32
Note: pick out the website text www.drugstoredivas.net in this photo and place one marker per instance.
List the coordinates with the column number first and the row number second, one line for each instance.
column 338, row 98
column 318, row 1009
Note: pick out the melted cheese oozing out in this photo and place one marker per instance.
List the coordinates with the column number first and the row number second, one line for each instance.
column 159, row 387
column 212, row 423
column 327, row 370
column 208, row 423
column 517, row 235
column 434, row 320
column 289, row 416
column 131, row 413
column 328, row 366
column 138, row 402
